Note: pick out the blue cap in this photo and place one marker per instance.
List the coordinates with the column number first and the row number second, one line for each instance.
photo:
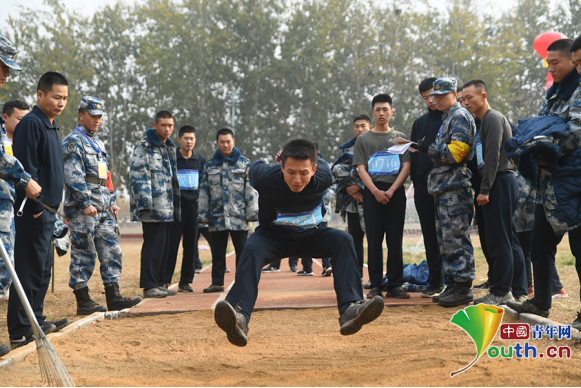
column 7, row 53
column 444, row 85
column 92, row 105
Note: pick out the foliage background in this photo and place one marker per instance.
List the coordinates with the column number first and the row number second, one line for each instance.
column 302, row 68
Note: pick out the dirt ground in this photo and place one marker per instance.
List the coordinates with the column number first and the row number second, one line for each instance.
column 406, row 346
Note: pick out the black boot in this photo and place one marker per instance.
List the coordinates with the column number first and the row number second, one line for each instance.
column 461, row 294
column 85, row 305
column 116, row 302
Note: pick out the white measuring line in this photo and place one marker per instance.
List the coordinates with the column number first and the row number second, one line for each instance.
column 223, row 294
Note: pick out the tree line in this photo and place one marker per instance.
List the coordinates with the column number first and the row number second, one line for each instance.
column 302, row 69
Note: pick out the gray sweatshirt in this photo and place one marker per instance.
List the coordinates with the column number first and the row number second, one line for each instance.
column 494, row 132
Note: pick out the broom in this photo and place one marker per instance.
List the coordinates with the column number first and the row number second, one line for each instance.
column 52, row 370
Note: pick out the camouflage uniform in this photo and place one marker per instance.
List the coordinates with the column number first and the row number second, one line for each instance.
column 12, row 174
column 524, row 216
column 90, row 236
column 347, row 175
column 153, row 182
column 227, row 200
column 449, row 183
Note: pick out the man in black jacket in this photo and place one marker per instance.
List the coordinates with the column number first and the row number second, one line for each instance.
column 37, row 146
column 190, row 165
column 290, row 212
column 426, row 128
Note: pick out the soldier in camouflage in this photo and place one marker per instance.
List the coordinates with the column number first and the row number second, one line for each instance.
column 91, row 207
column 227, row 203
column 449, row 183
column 155, row 201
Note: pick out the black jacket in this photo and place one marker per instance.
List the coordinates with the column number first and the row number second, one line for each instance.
column 425, row 127
column 195, row 162
column 37, row 146
column 274, row 193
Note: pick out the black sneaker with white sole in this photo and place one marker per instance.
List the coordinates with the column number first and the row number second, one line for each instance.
column 327, row 271
column 4, row 350
column 359, row 314
column 396, row 292
column 305, row 273
column 46, row 327
column 60, row 324
column 232, row 322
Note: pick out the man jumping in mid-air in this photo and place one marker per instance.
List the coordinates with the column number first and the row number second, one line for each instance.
column 290, row 212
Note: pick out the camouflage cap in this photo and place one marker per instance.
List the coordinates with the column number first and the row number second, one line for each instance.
column 444, row 85
column 92, row 105
column 7, row 53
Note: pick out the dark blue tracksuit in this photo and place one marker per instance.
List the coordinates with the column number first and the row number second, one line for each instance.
column 271, row 242
column 38, row 147
column 426, row 128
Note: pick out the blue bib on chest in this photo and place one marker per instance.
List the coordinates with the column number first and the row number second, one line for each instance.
column 188, row 179
column 383, row 163
column 300, row 221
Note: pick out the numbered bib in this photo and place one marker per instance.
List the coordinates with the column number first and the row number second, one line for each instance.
column 8, row 147
column 102, row 170
column 299, row 221
column 383, row 163
column 479, row 156
column 188, row 179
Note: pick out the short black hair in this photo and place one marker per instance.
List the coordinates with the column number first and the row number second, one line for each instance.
column 9, row 106
column 49, row 79
column 381, row 98
column 186, row 129
column 563, row 46
column 300, row 149
column 576, row 44
column 427, row 84
column 362, row 117
column 162, row 114
column 477, row 83
column 459, row 89
column 224, row 132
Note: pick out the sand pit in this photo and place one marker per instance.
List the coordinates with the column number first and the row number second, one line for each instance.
column 406, row 346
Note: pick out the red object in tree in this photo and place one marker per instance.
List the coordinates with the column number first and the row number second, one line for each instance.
column 110, row 182
column 544, row 40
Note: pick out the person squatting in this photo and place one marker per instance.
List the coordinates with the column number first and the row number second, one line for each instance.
column 463, row 154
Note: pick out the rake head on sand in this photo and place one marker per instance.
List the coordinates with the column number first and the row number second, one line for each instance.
column 52, row 370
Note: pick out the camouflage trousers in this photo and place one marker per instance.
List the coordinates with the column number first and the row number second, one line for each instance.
column 6, row 238
column 91, row 237
column 454, row 211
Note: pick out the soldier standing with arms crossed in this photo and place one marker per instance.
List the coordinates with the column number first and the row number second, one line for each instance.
column 90, row 205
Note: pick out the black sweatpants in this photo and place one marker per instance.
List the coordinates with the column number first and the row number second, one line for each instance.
column 33, row 264
column 355, row 230
column 188, row 227
column 509, row 270
column 154, row 253
column 219, row 245
column 384, row 220
column 307, row 262
column 476, row 182
column 208, row 236
column 544, row 243
column 424, row 202
column 268, row 244
column 524, row 238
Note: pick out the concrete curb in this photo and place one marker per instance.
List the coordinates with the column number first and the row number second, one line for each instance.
column 533, row 319
column 20, row 354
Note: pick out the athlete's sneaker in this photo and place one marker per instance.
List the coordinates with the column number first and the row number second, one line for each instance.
column 198, row 270
column 359, row 314
column 560, row 294
column 460, row 294
column 270, row 269
column 483, row 286
column 396, row 292
column 327, row 271
column 154, row 293
column 495, row 300
column 59, row 325
column 305, row 273
column 293, row 268
column 446, row 292
column 4, row 350
column 183, row 287
column 521, row 298
column 227, row 270
column 577, row 322
column 232, row 322
column 166, row 289
column 433, row 290
column 214, row 288
column 46, row 327
column 375, row 291
column 367, row 285
column 531, row 291
column 528, row 307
